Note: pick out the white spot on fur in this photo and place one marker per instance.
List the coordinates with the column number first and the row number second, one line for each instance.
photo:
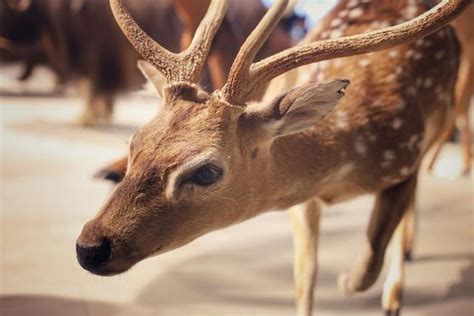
column 304, row 76
column 401, row 105
column 375, row 25
column 419, row 82
column 324, row 34
column 342, row 120
column 360, row 147
column 386, row 164
column 377, row 103
column 417, row 56
column 355, row 13
column 410, row 11
column 411, row 91
column 401, row 20
column 388, row 155
column 372, row 138
column 336, row 22
column 413, row 141
column 352, row 4
column 397, row 123
column 405, row 171
column 335, row 33
column 428, row 82
column 345, row 170
column 323, row 65
column 364, row 62
column 439, row 55
column 337, row 63
column 409, row 53
column 419, row 42
column 391, row 180
column 391, row 78
column 394, row 53
column 343, row 13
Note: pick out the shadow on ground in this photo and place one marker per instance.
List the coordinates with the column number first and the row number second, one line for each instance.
column 22, row 305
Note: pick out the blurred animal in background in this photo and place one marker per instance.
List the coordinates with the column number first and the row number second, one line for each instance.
column 464, row 92
column 210, row 160
column 80, row 42
column 241, row 18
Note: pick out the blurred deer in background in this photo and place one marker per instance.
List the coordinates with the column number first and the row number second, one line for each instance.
column 464, row 91
column 80, row 42
column 242, row 16
column 208, row 161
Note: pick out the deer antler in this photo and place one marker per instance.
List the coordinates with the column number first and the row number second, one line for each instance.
column 246, row 76
column 185, row 66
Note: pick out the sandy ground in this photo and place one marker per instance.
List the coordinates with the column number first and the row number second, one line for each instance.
column 47, row 194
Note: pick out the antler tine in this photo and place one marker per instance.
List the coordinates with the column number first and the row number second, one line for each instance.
column 185, row 66
column 265, row 70
column 165, row 61
column 252, row 45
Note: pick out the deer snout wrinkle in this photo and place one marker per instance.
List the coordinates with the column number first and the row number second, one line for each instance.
column 92, row 257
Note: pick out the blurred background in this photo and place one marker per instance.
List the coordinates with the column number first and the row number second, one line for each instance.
column 70, row 97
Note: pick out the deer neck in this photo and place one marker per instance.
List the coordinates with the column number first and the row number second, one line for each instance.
column 299, row 167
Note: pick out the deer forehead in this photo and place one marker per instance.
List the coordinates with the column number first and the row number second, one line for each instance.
column 184, row 129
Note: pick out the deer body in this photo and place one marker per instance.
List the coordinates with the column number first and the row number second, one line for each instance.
column 398, row 101
column 207, row 161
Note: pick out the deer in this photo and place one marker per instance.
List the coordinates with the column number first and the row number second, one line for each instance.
column 207, row 161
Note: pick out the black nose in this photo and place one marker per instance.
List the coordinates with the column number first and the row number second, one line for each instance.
column 92, row 257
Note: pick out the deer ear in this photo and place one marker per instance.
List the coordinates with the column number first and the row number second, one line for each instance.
column 152, row 74
column 301, row 108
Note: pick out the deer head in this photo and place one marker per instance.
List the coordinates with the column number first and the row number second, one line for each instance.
column 207, row 161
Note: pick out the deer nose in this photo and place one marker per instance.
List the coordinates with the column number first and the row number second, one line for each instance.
column 91, row 257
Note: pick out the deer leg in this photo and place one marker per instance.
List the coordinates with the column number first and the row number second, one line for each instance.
column 104, row 105
column 390, row 205
column 464, row 93
column 409, row 232
column 98, row 106
column 438, row 145
column 88, row 117
column 464, row 125
column 393, row 285
column 114, row 171
column 305, row 219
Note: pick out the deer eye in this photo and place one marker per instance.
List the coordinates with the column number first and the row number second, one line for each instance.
column 206, row 175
